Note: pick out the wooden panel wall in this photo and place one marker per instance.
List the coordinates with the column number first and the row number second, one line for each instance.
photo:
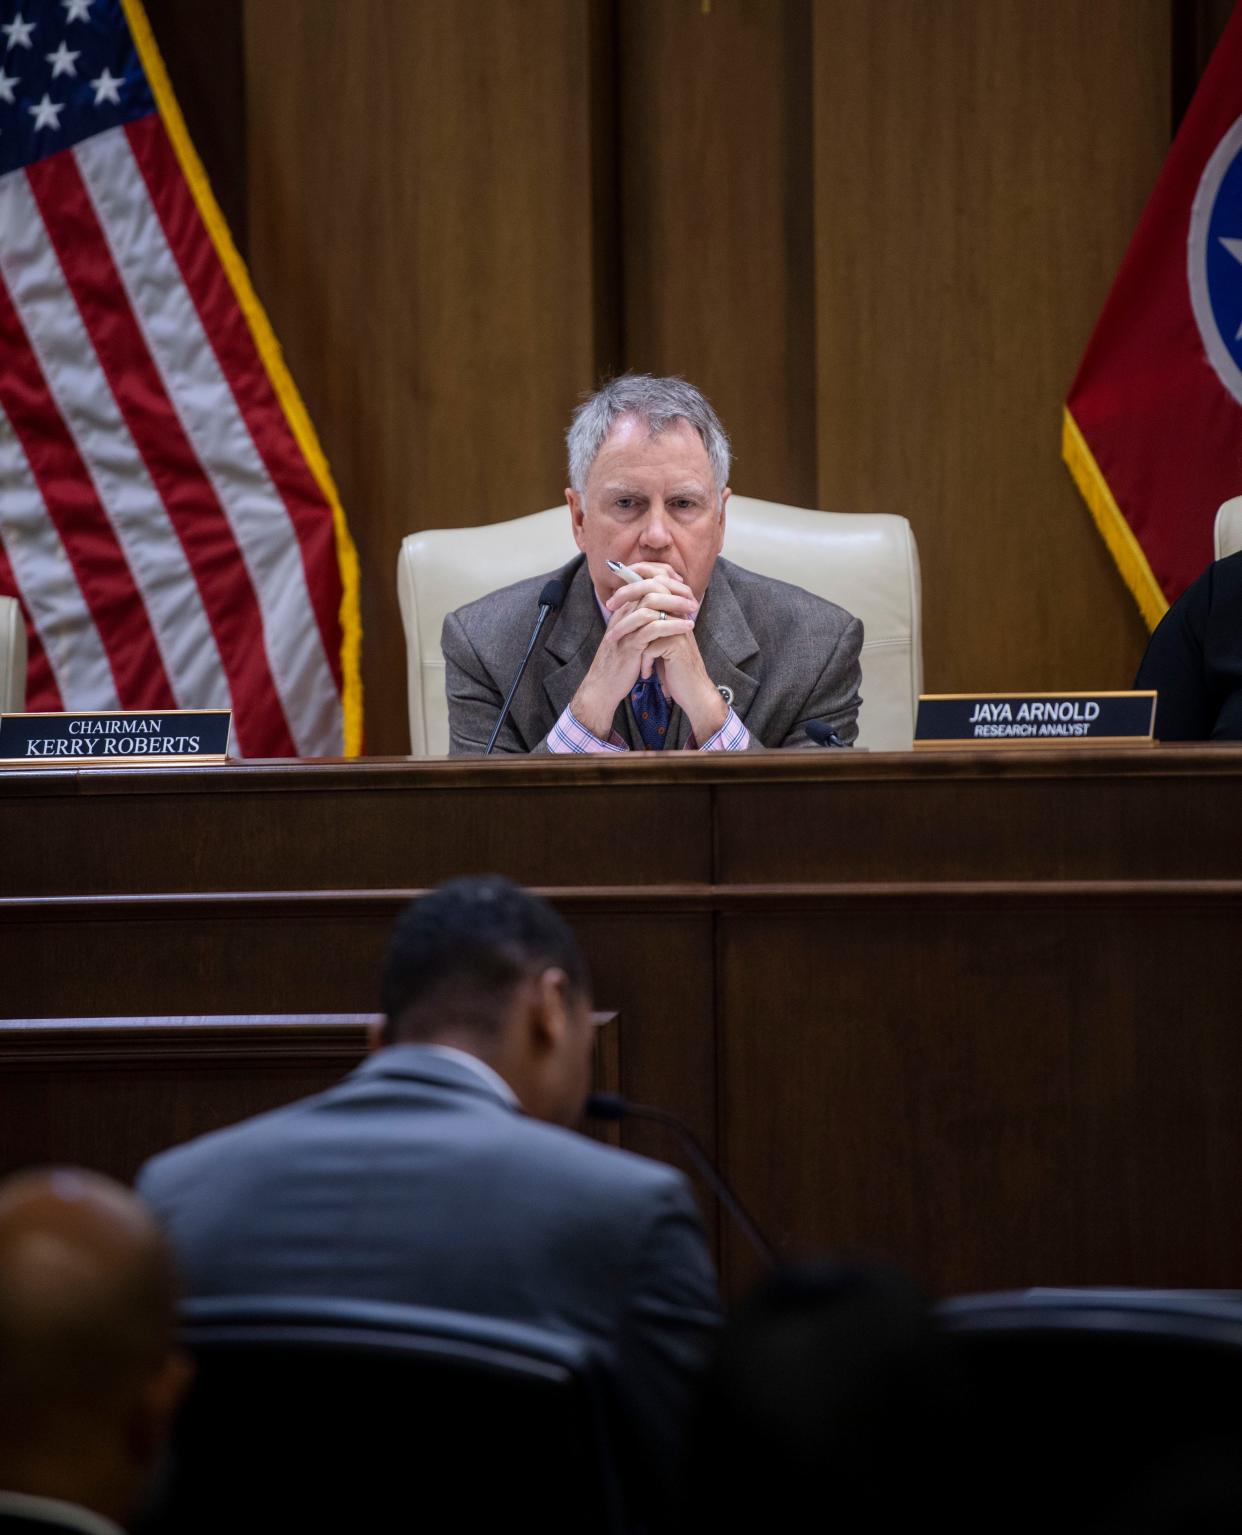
column 979, row 168
column 421, row 230
column 716, row 221
column 876, row 231
column 203, row 51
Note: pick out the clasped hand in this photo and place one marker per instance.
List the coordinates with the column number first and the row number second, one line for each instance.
column 651, row 628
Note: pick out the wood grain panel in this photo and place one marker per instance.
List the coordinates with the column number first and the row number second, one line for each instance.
column 974, row 1012
column 1197, row 28
column 108, row 1093
column 385, row 826
column 980, row 166
column 1041, row 828
column 716, row 199
column 421, row 232
column 264, row 955
column 989, row 1098
column 203, row 51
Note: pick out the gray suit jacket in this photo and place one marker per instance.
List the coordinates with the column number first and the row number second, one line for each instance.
column 787, row 657
column 413, row 1181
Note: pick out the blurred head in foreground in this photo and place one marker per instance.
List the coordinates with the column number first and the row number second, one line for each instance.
column 90, row 1375
column 483, row 966
column 832, row 1400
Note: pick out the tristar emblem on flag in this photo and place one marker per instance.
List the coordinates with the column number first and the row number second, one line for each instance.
column 1153, row 424
column 167, row 518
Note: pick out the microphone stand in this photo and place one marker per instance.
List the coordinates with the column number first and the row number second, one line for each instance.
column 551, row 590
column 613, row 1106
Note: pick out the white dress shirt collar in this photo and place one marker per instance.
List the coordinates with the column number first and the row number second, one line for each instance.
column 480, row 1068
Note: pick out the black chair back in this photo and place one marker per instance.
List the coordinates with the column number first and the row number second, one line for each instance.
column 1102, row 1409
column 337, row 1415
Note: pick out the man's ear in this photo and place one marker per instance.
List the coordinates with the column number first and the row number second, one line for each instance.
column 379, row 1035
column 550, row 1007
column 577, row 511
column 159, row 1399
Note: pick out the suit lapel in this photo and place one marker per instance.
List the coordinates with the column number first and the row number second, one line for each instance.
column 571, row 646
column 725, row 642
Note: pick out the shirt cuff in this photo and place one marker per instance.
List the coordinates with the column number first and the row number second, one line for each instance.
column 732, row 736
column 569, row 735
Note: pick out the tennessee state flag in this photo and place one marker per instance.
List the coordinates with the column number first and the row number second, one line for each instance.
column 1152, row 430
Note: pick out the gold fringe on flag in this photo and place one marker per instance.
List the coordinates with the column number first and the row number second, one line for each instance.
column 1116, row 532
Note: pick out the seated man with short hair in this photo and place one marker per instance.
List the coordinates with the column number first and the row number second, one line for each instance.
column 90, row 1375
column 698, row 653
column 440, row 1173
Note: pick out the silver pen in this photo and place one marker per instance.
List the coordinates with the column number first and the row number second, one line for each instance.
column 630, row 576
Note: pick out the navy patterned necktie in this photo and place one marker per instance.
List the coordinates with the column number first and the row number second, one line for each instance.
column 652, row 711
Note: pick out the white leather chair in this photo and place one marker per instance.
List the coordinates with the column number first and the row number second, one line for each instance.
column 867, row 563
column 1227, row 534
column 12, row 657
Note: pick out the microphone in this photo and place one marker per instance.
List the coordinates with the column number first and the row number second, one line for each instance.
column 824, row 735
column 550, row 599
column 613, row 1106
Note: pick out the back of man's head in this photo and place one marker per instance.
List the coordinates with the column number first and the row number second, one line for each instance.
column 457, row 953
column 486, row 967
column 831, row 1390
column 90, row 1377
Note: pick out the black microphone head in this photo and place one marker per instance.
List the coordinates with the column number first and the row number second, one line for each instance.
column 552, row 595
column 824, row 735
column 606, row 1106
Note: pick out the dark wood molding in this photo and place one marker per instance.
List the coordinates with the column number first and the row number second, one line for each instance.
column 80, row 1044
column 685, row 770
column 383, row 905
column 232, row 1040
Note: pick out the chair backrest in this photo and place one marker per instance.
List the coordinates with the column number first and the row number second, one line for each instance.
column 12, row 656
column 868, row 563
column 1103, row 1403
column 1227, row 532
column 328, row 1414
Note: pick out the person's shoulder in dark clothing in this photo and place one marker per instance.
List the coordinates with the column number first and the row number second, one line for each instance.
column 1194, row 659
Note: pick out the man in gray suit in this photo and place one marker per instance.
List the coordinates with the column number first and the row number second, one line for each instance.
column 439, row 1173
column 697, row 653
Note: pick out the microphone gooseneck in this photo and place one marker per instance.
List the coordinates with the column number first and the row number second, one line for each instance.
column 550, row 599
column 612, row 1106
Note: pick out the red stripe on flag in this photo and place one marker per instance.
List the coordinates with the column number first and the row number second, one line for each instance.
column 99, row 565
column 187, row 494
column 42, row 692
column 239, row 358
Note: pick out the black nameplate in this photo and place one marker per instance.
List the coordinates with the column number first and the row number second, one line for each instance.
column 1034, row 719
column 117, row 739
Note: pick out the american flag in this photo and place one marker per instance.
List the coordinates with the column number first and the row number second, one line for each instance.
column 167, row 519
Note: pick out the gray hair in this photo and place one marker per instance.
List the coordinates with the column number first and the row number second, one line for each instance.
column 657, row 401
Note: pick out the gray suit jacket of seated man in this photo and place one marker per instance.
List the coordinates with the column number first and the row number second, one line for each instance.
column 787, row 657
column 414, row 1181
